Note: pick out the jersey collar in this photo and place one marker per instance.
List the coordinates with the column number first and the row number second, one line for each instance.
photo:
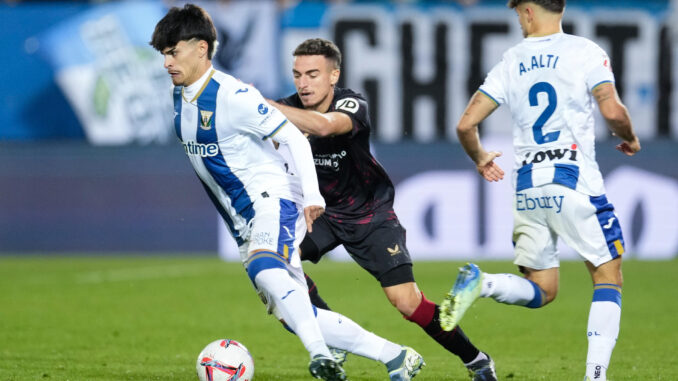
column 550, row 37
column 193, row 91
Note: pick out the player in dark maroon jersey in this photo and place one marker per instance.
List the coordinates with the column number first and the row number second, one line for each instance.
column 359, row 196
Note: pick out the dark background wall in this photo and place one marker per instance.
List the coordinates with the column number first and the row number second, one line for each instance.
column 72, row 197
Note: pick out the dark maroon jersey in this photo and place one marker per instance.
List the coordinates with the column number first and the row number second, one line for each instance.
column 355, row 186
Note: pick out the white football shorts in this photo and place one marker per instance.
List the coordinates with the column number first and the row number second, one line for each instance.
column 586, row 223
column 275, row 232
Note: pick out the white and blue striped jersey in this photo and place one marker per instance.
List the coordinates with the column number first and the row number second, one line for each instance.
column 224, row 126
column 547, row 84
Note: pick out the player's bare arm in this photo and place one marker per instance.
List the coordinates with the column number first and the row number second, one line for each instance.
column 479, row 108
column 316, row 123
column 617, row 117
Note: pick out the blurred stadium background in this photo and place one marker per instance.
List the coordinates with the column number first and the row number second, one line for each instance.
column 89, row 163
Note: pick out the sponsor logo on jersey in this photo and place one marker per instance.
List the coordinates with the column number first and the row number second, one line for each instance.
column 206, row 119
column 329, row 161
column 551, row 154
column 348, row 104
column 547, row 202
column 202, row 150
column 262, row 109
column 394, row 251
column 262, row 239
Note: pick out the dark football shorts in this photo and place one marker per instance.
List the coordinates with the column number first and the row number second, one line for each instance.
column 377, row 247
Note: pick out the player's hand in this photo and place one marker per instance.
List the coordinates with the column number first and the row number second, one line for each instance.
column 488, row 169
column 629, row 148
column 311, row 213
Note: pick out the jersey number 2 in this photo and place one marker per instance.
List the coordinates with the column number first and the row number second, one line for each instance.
column 543, row 87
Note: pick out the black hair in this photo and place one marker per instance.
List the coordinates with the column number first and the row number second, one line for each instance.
column 556, row 6
column 185, row 24
column 319, row 47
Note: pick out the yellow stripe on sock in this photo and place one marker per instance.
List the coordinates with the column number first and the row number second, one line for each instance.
column 611, row 286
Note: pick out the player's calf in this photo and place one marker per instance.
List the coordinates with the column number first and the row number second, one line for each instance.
column 602, row 329
column 516, row 290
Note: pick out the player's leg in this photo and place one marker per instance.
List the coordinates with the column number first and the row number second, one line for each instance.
column 314, row 294
column 415, row 307
column 401, row 362
column 536, row 289
column 343, row 334
column 271, row 264
column 604, row 317
column 312, row 248
column 381, row 250
column 535, row 254
column 594, row 232
column 340, row 355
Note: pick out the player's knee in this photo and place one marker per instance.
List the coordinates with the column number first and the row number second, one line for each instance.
column 609, row 273
column 550, row 295
column 261, row 261
column 405, row 307
column 406, row 304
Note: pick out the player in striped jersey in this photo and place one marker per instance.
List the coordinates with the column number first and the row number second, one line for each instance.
column 225, row 127
column 550, row 81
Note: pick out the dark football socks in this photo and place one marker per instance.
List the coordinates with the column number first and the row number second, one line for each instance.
column 455, row 341
column 316, row 300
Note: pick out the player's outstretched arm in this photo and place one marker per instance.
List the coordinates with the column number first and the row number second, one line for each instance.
column 617, row 117
column 479, row 108
column 316, row 123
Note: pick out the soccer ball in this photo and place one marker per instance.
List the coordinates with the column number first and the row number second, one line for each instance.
column 225, row 360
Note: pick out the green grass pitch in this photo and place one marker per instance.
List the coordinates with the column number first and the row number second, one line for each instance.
column 142, row 318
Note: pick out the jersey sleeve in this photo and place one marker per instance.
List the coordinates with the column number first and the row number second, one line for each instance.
column 287, row 101
column 599, row 69
column 251, row 113
column 494, row 85
column 356, row 109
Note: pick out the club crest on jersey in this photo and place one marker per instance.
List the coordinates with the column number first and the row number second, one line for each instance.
column 206, row 119
column 348, row 104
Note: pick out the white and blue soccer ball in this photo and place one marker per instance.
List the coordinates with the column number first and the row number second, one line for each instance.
column 225, row 360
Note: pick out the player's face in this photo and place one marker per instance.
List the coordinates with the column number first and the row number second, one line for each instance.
column 314, row 78
column 183, row 61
